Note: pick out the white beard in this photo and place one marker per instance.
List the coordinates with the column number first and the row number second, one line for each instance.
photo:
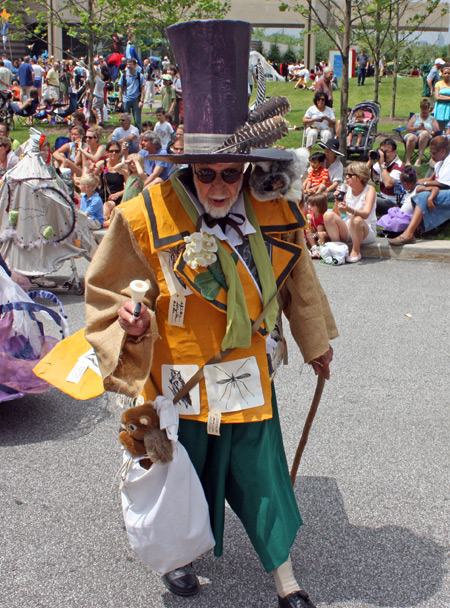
column 218, row 212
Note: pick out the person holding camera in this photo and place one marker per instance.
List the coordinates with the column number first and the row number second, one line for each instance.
column 385, row 168
column 358, row 203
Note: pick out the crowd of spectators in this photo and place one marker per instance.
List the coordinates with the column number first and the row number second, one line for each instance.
column 118, row 159
column 99, row 163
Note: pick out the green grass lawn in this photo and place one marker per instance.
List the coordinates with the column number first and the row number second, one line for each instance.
column 408, row 99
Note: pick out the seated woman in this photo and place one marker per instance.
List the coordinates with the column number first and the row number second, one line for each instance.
column 94, row 151
column 318, row 119
column 29, row 107
column 113, row 175
column 420, row 130
column 69, row 155
column 359, row 225
column 7, row 158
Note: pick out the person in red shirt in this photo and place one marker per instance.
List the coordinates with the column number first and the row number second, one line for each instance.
column 318, row 178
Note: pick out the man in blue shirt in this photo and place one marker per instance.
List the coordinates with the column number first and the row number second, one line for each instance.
column 132, row 91
column 26, row 78
column 157, row 171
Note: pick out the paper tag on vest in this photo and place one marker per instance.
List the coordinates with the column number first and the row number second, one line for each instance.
column 177, row 309
column 214, row 419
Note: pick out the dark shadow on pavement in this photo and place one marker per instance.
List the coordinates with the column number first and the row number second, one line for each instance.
column 333, row 560
column 48, row 417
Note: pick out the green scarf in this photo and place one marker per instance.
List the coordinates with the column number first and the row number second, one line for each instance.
column 239, row 327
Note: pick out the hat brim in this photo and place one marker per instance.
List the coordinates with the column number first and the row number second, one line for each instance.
column 256, row 156
column 325, row 147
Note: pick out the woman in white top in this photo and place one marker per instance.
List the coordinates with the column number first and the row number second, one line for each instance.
column 359, row 204
column 318, row 118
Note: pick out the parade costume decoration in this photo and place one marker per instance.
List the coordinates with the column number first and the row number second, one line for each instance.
column 218, row 283
column 23, row 336
column 141, row 435
column 40, row 227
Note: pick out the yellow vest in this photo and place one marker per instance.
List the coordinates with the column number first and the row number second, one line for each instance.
column 161, row 227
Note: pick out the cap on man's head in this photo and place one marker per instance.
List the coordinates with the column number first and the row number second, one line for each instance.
column 131, row 60
column 439, row 61
column 167, row 77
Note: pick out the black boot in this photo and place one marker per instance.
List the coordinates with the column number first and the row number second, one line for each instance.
column 298, row 599
column 182, row 581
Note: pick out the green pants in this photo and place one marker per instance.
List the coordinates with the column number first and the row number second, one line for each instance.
column 247, row 466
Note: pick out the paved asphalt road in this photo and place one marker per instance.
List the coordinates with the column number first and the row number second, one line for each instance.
column 373, row 486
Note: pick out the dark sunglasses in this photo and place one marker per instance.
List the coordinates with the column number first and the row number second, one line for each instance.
column 2, row 145
column 90, row 137
column 114, row 151
column 207, row 176
column 351, row 175
column 123, row 119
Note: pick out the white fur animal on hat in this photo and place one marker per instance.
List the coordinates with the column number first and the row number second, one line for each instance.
column 280, row 178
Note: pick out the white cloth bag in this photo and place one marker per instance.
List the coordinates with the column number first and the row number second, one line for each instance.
column 165, row 512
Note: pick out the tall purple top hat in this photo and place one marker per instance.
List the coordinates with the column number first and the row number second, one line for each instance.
column 212, row 57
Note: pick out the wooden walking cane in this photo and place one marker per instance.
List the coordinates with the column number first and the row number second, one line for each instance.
column 309, row 420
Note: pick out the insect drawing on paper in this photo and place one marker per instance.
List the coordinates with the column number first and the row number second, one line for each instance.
column 176, row 383
column 234, row 381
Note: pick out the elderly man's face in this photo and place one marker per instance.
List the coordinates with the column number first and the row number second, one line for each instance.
column 218, row 196
column 328, row 76
column 148, row 145
column 125, row 122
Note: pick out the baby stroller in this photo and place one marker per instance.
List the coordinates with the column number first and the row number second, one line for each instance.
column 368, row 129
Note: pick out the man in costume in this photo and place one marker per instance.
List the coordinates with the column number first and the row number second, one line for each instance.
column 201, row 303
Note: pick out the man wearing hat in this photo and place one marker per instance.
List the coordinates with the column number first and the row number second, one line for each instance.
column 435, row 73
column 333, row 164
column 216, row 310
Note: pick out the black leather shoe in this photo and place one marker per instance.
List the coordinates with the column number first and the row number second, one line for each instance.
column 183, row 581
column 298, row 599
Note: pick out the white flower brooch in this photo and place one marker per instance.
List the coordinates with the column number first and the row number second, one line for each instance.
column 200, row 250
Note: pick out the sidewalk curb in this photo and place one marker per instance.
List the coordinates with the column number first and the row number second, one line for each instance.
column 438, row 251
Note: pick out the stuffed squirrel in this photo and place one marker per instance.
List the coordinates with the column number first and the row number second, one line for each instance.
column 141, row 435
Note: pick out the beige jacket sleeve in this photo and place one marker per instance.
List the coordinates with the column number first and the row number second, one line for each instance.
column 125, row 361
column 306, row 306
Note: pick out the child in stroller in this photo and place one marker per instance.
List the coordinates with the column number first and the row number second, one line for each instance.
column 357, row 127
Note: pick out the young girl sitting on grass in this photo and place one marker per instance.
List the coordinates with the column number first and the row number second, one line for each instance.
column 397, row 219
column 316, row 235
column 135, row 181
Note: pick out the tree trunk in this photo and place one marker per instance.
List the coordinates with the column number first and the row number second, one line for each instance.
column 377, row 63
column 394, row 77
column 345, row 75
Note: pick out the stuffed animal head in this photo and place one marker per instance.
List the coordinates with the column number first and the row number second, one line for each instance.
column 142, row 436
column 280, row 179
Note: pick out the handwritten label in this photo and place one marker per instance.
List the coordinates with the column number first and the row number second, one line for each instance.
column 214, row 420
column 177, row 309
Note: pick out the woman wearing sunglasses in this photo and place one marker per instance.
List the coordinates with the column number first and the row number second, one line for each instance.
column 94, row 151
column 359, row 204
column 113, row 174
